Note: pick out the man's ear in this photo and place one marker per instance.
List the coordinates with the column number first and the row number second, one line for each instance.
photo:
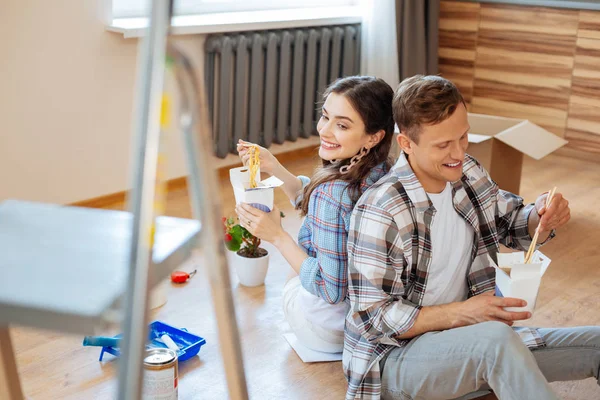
column 375, row 138
column 404, row 142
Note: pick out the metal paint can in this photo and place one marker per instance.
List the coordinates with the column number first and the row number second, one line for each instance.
column 160, row 375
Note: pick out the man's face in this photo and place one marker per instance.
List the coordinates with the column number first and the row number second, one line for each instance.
column 438, row 157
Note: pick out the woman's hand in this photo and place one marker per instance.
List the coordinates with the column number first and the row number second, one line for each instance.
column 270, row 165
column 265, row 226
column 268, row 162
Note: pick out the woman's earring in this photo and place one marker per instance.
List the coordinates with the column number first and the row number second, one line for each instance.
column 355, row 160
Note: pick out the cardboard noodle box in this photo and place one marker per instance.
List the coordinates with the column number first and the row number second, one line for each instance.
column 260, row 197
column 516, row 279
column 499, row 143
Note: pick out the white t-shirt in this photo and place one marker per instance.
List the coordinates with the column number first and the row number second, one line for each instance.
column 452, row 244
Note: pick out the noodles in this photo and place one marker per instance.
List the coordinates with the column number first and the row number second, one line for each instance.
column 253, row 164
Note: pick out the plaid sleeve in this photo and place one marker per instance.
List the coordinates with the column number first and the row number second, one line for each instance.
column 512, row 218
column 326, row 274
column 379, row 307
column 305, row 181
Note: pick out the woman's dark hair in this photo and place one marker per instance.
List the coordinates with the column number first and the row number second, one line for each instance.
column 372, row 99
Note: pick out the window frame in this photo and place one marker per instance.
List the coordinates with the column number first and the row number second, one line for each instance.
column 138, row 8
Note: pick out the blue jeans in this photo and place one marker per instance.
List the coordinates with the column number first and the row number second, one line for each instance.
column 458, row 363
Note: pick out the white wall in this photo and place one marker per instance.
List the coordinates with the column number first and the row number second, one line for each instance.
column 66, row 100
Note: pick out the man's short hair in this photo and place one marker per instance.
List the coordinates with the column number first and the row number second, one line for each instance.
column 424, row 100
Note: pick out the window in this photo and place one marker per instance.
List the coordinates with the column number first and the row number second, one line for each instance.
column 139, row 8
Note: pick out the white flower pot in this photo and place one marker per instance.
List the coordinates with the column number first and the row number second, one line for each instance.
column 251, row 271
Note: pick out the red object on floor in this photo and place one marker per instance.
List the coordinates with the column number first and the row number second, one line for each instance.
column 181, row 276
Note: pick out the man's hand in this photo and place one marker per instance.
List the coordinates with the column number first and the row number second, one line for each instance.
column 556, row 215
column 487, row 307
column 480, row 308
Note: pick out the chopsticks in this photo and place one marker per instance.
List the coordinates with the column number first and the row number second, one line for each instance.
column 531, row 250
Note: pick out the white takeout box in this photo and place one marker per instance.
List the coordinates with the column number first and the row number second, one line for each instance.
column 524, row 279
column 260, row 197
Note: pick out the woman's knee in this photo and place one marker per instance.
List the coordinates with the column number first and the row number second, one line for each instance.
column 289, row 297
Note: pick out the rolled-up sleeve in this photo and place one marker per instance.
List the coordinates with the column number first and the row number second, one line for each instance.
column 378, row 301
column 305, row 181
column 512, row 221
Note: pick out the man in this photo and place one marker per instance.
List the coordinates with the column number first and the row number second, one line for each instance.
column 424, row 322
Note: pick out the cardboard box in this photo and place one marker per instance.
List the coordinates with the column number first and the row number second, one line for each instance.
column 516, row 279
column 260, row 197
column 499, row 143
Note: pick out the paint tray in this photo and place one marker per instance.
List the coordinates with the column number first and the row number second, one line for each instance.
column 188, row 343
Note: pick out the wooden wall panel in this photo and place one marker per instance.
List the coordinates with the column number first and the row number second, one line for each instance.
column 589, row 25
column 583, row 125
column 458, row 27
column 524, row 63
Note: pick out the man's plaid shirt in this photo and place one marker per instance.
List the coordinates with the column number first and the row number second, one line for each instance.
column 389, row 250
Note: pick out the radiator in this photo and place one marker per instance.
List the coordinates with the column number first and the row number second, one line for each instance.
column 263, row 86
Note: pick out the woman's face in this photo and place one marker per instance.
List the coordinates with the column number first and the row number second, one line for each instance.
column 341, row 129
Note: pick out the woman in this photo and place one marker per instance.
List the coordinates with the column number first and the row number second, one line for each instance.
column 355, row 128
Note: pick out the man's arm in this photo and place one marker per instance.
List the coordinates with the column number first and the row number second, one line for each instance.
column 514, row 220
column 379, row 306
column 480, row 308
column 517, row 222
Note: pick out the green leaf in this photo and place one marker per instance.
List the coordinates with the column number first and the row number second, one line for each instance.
column 236, row 234
column 233, row 245
column 246, row 234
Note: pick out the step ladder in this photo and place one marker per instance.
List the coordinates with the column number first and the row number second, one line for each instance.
column 81, row 270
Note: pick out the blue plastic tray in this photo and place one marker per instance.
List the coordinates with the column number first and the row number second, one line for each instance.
column 189, row 344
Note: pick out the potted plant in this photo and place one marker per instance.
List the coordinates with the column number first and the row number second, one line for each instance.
column 251, row 261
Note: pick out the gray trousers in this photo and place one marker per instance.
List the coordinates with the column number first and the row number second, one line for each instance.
column 459, row 362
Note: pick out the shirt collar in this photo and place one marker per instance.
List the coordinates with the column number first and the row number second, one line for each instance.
column 417, row 195
column 415, row 191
